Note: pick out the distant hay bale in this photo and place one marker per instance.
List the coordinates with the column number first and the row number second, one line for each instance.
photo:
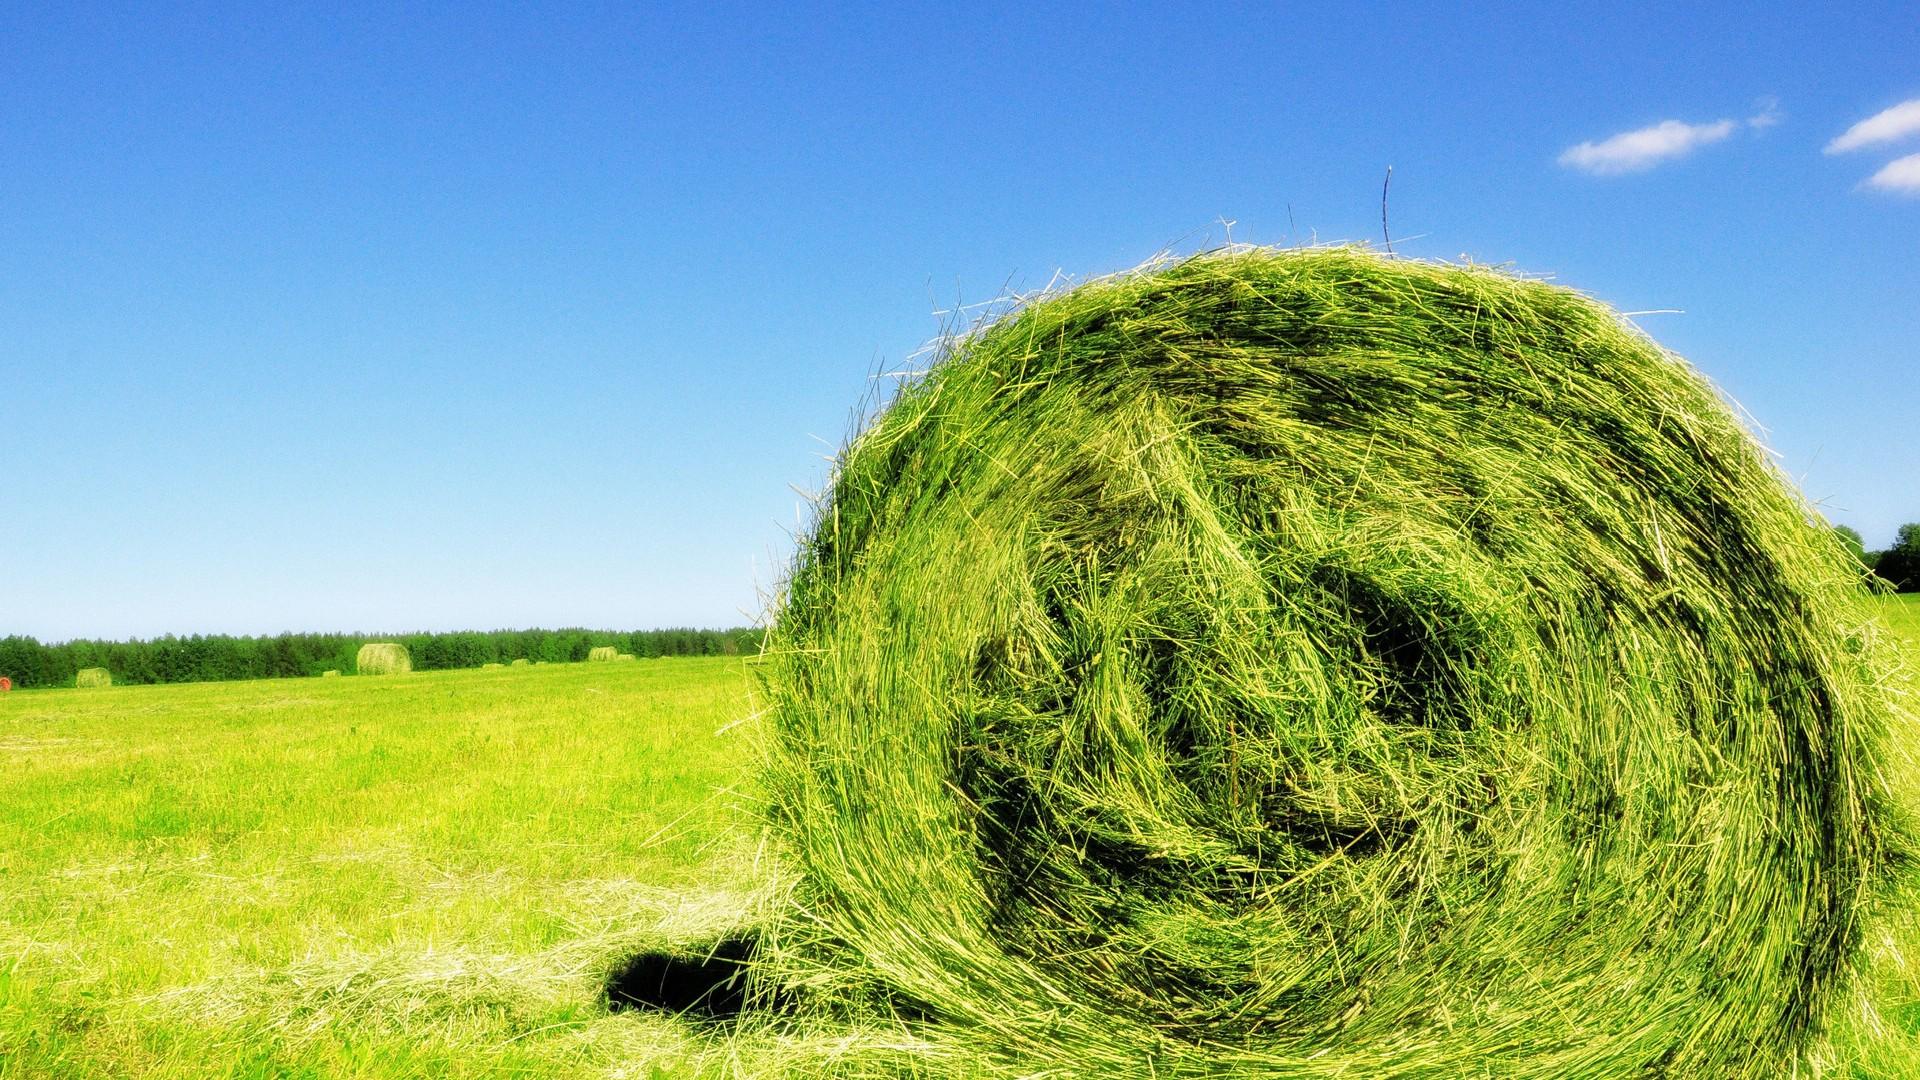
column 623, row 656
column 488, row 667
column 603, row 652
column 523, row 662
column 1312, row 664
column 330, row 673
column 90, row 678
column 383, row 658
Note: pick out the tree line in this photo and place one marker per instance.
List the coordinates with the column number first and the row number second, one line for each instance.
column 1899, row 565
column 220, row 657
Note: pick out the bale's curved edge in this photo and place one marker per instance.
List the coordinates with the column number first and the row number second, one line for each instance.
column 1312, row 664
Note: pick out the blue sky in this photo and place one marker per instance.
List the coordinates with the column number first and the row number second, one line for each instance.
column 481, row 317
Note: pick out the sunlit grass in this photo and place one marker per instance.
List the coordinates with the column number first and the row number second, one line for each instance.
column 1887, row 1047
column 416, row 876
column 1902, row 613
column 412, row 875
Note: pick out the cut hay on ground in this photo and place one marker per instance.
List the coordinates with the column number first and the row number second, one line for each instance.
column 92, row 678
column 602, row 652
column 383, row 658
column 1309, row 664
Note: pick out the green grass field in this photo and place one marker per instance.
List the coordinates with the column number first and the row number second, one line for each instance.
column 1903, row 614
column 424, row 875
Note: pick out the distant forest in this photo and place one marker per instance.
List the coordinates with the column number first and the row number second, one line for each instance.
column 220, row 657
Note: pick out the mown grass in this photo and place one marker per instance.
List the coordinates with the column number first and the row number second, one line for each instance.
column 415, row 876
column 1889, row 1049
column 406, row 876
column 1902, row 613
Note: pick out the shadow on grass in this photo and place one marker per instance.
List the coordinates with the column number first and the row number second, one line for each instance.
column 705, row 986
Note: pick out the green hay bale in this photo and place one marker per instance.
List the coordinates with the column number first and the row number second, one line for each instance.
column 602, row 652
column 1308, row 664
column 330, row 673
column 491, row 666
column 623, row 656
column 523, row 662
column 383, row 658
column 92, row 678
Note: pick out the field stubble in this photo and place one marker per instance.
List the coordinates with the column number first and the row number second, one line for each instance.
column 412, row 876
column 432, row 876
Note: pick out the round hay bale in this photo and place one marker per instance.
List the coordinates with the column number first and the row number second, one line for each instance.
column 523, row 662
column 1309, row 664
column 623, row 656
column 383, row 658
column 6, row 684
column 92, row 678
column 602, row 652
column 330, row 673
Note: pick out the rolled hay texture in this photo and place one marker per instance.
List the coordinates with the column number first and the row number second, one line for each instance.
column 1309, row 664
column 383, row 658
column 623, row 656
column 602, row 652
column 92, row 677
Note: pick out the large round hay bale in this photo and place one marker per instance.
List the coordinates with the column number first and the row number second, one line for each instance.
column 383, row 658
column 522, row 662
column 602, row 652
column 1308, row 664
column 92, row 677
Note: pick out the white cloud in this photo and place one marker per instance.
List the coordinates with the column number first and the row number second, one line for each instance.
column 1768, row 115
column 1634, row 151
column 1900, row 174
column 1884, row 126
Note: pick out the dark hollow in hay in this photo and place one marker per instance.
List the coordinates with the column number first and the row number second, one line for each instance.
column 710, row 985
